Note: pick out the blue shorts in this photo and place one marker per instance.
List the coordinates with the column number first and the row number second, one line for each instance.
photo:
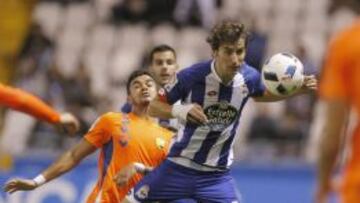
column 171, row 181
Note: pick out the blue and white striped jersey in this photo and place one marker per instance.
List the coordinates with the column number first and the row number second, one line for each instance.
column 211, row 145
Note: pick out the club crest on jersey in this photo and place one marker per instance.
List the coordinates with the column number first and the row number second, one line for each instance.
column 143, row 192
column 160, row 143
column 220, row 115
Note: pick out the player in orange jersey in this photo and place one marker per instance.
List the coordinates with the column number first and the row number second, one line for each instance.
column 25, row 102
column 123, row 139
column 340, row 93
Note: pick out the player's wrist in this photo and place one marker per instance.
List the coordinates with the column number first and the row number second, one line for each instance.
column 39, row 180
column 141, row 168
column 181, row 111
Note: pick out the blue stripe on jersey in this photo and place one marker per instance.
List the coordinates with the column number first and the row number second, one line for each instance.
column 225, row 94
column 226, row 147
column 253, row 80
column 177, row 148
column 108, row 152
column 189, row 79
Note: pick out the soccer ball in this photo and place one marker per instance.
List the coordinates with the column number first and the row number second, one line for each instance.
column 283, row 74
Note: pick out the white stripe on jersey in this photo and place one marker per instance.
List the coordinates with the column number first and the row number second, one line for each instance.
column 239, row 88
column 200, row 133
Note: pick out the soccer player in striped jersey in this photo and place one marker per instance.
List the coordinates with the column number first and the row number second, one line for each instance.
column 162, row 65
column 124, row 139
column 27, row 103
column 213, row 94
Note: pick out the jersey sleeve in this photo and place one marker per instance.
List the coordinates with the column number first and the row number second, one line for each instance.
column 179, row 90
column 99, row 133
column 25, row 102
column 333, row 82
column 253, row 82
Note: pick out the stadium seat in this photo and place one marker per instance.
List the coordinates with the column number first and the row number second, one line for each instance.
column 163, row 34
column 79, row 16
column 49, row 16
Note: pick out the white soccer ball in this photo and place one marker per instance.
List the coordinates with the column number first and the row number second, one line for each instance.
column 283, row 74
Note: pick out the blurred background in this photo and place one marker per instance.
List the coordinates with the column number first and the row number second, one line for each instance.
column 78, row 54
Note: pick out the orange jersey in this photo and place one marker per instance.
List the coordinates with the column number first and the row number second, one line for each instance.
column 27, row 103
column 341, row 81
column 124, row 139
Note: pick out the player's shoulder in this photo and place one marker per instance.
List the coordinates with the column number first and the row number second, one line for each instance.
column 347, row 36
column 110, row 117
column 200, row 69
column 248, row 71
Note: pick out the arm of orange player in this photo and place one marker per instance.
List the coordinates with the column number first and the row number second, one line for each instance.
column 124, row 175
column 25, row 102
column 336, row 115
column 65, row 163
column 95, row 138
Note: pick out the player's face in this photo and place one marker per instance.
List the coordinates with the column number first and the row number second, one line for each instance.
column 142, row 90
column 230, row 56
column 163, row 67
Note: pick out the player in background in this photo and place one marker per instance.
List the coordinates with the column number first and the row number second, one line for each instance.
column 162, row 65
column 340, row 93
column 27, row 103
column 123, row 139
column 213, row 94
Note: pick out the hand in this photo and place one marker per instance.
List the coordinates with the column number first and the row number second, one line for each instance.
column 19, row 184
column 124, row 175
column 196, row 115
column 69, row 123
column 310, row 83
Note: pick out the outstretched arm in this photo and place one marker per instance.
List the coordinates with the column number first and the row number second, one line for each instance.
column 336, row 114
column 25, row 102
column 65, row 163
column 124, row 175
column 188, row 112
column 310, row 84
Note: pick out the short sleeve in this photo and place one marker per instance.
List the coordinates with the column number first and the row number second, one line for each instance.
column 253, row 81
column 99, row 133
column 180, row 89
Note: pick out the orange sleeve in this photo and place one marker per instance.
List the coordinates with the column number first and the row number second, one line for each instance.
column 25, row 102
column 333, row 83
column 99, row 133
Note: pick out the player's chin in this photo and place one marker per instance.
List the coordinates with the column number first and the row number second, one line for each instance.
column 164, row 80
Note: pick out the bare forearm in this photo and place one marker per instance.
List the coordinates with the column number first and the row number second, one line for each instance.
column 329, row 151
column 335, row 121
column 69, row 160
column 160, row 109
column 64, row 164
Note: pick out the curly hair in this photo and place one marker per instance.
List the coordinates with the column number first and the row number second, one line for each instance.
column 226, row 32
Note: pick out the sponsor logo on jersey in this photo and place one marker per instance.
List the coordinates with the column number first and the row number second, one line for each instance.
column 220, row 115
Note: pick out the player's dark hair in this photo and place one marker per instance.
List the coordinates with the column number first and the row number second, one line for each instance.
column 226, row 32
column 134, row 75
column 160, row 48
